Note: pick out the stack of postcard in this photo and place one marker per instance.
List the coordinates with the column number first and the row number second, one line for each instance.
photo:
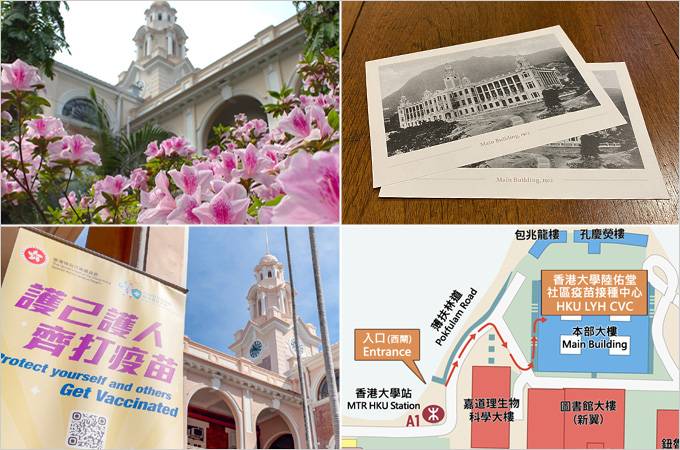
column 521, row 116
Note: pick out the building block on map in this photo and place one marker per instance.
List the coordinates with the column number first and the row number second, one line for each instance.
column 667, row 427
column 561, row 418
column 490, row 382
column 545, row 421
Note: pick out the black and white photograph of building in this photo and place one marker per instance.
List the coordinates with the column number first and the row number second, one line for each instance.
column 438, row 99
column 613, row 148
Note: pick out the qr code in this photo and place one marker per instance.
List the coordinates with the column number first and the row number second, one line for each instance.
column 86, row 430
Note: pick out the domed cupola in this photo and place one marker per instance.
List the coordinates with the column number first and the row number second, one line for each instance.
column 161, row 53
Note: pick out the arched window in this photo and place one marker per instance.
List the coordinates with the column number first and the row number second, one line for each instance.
column 323, row 387
column 269, row 274
column 160, row 16
column 81, row 109
column 261, row 276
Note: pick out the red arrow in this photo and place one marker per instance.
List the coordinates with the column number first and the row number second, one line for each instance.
column 541, row 319
column 473, row 336
column 453, row 367
column 491, row 324
column 488, row 324
column 470, row 339
column 518, row 366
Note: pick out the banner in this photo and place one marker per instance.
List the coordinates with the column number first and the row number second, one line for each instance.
column 91, row 349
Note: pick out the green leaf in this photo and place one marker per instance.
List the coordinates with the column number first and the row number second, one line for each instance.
column 274, row 201
column 334, row 119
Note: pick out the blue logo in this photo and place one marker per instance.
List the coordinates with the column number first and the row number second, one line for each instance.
column 136, row 293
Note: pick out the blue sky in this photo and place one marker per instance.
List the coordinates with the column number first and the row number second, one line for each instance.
column 221, row 262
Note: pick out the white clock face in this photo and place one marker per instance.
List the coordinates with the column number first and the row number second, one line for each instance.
column 301, row 347
column 256, row 349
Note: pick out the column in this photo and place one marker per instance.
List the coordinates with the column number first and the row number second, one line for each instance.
column 248, row 438
column 190, row 125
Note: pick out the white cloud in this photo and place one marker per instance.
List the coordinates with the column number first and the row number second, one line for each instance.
column 100, row 32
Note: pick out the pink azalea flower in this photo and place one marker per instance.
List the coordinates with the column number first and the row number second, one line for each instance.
column 64, row 201
column 76, row 150
column 202, row 165
column 158, row 203
column 152, row 151
column 114, row 186
column 176, row 146
column 319, row 116
column 225, row 165
column 184, row 213
column 85, row 201
column 45, row 127
column 19, row 76
column 299, row 124
column 213, row 152
column 8, row 186
column 254, row 165
column 139, row 179
column 27, row 178
column 264, row 216
column 191, row 180
column 312, row 185
column 306, row 100
column 8, row 150
column 104, row 213
column 228, row 206
column 272, row 152
column 267, row 193
column 259, row 127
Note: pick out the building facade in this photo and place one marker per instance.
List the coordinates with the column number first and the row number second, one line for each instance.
column 251, row 399
column 461, row 99
column 575, row 142
column 161, row 86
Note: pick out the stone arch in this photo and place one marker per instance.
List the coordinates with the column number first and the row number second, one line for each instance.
column 223, row 111
column 279, row 437
column 83, row 93
column 207, row 408
column 277, row 416
column 321, row 380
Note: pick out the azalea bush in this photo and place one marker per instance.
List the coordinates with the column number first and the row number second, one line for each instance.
column 255, row 174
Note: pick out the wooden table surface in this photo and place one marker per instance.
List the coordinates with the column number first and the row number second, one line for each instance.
column 643, row 34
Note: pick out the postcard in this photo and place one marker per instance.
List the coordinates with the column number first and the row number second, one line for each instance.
column 440, row 109
column 615, row 163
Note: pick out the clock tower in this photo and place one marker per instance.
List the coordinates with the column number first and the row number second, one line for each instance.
column 161, row 59
column 268, row 339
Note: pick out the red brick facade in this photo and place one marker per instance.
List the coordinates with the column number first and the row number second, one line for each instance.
column 324, row 424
